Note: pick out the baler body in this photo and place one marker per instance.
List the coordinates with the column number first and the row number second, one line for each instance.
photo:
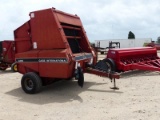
column 52, row 43
column 7, row 54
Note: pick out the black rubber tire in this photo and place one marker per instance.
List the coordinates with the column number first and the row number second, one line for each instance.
column 110, row 64
column 14, row 67
column 102, row 53
column 81, row 77
column 3, row 69
column 31, row 83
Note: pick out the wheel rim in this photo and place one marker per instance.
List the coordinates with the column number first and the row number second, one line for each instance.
column 28, row 83
column 15, row 67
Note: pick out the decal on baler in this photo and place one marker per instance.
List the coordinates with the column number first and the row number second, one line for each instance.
column 77, row 58
column 32, row 15
column 59, row 60
column 4, row 49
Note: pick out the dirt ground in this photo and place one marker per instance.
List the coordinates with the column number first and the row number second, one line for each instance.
column 137, row 99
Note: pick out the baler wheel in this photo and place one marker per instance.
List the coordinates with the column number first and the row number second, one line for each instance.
column 31, row 83
column 14, row 67
column 111, row 64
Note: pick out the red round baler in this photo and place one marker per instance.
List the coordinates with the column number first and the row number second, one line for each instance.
column 53, row 45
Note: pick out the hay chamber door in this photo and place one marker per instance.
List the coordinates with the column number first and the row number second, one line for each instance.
column 76, row 39
column 72, row 34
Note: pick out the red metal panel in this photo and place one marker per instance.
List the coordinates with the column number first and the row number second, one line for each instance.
column 134, row 58
column 153, row 44
column 145, row 67
column 55, row 69
column 8, row 51
column 68, row 18
column 45, row 30
column 22, row 38
column 23, row 31
column 24, row 67
column 22, row 45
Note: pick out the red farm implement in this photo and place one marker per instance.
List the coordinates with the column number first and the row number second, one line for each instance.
column 134, row 59
column 7, row 55
column 153, row 44
column 53, row 45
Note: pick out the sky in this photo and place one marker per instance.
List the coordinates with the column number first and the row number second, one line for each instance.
column 102, row 19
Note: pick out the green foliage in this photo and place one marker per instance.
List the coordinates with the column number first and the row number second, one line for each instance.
column 131, row 35
column 158, row 40
column 145, row 44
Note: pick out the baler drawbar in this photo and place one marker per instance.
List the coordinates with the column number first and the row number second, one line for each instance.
column 53, row 45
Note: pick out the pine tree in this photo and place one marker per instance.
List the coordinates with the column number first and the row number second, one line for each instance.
column 158, row 40
column 131, row 35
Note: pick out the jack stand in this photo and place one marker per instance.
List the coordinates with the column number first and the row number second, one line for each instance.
column 114, row 88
